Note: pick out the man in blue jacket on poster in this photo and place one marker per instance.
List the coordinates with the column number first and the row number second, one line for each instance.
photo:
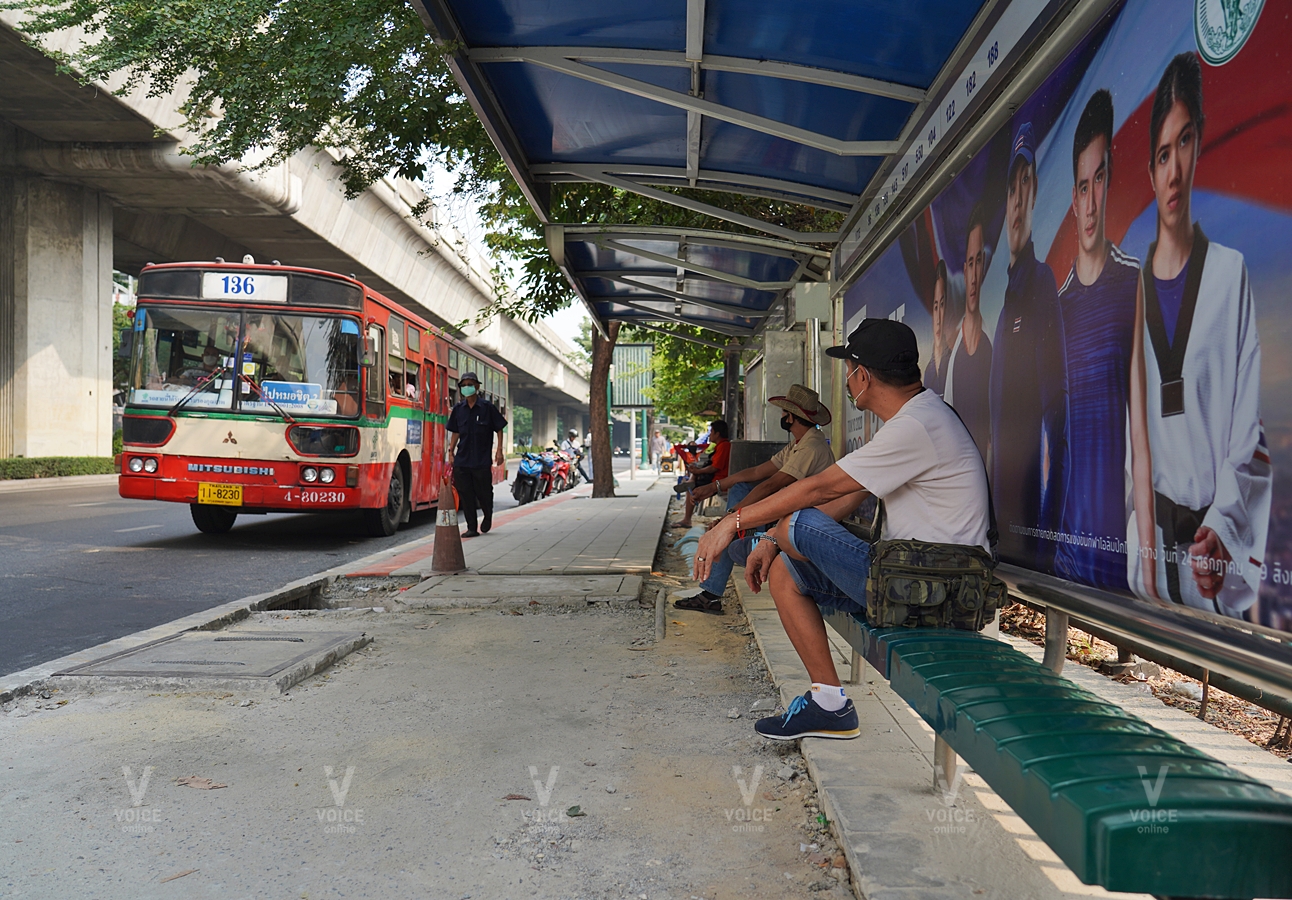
column 1028, row 381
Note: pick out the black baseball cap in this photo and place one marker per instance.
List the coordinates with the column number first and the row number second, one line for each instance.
column 880, row 344
column 468, row 376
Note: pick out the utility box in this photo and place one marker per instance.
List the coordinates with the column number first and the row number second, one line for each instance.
column 811, row 301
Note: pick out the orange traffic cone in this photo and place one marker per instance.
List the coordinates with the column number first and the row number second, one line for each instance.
column 447, row 558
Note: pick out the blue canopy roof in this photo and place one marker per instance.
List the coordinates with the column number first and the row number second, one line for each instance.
column 728, row 283
column 805, row 102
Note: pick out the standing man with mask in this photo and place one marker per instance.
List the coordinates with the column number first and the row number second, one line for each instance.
column 807, row 453
column 472, row 424
column 1029, row 384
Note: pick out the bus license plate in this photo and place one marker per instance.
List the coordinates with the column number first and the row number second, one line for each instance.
column 219, row 494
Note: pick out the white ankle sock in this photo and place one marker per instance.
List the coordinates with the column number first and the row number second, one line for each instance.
column 829, row 697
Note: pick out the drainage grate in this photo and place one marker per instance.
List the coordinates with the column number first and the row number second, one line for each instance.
column 293, row 640
column 204, row 659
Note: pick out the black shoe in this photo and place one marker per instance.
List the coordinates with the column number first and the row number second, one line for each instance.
column 467, row 534
column 805, row 719
column 485, row 526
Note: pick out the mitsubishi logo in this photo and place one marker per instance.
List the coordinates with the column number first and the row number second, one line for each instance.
column 230, row 439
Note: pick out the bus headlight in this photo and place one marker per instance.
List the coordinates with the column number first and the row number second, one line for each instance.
column 150, row 465
column 309, row 474
column 327, row 476
column 135, row 465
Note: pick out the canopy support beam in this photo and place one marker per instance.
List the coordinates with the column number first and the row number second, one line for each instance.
column 682, row 297
column 558, row 62
column 718, row 274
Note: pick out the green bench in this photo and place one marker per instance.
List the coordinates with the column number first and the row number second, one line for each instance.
column 1084, row 774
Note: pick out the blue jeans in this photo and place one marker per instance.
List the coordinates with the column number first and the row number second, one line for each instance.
column 735, row 554
column 838, row 562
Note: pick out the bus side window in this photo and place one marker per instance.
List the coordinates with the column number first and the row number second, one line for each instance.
column 442, row 389
column 396, row 371
column 377, row 372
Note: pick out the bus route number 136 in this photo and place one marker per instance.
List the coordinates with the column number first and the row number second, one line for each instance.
column 234, row 286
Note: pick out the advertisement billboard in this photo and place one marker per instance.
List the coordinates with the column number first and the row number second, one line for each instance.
column 1099, row 292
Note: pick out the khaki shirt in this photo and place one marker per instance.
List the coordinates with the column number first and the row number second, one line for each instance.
column 805, row 457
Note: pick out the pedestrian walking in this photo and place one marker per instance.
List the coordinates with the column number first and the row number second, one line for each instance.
column 473, row 424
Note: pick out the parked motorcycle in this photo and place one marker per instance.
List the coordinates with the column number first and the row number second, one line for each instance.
column 561, row 469
column 529, row 478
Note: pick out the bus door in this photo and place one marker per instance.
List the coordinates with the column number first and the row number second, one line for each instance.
column 434, row 437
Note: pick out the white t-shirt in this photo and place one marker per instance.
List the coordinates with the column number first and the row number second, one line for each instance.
column 925, row 466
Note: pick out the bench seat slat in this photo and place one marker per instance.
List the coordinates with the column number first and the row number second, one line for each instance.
column 1084, row 773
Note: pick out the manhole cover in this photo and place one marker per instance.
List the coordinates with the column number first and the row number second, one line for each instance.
column 242, row 660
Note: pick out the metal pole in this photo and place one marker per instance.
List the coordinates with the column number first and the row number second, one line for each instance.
column 731, row 388
column 632, row 446
column 659, row 615
column 1056, row 639
column 812, row 354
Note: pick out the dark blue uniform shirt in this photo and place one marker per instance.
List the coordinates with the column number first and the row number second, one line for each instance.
column 1029, row 412
column 475, row 428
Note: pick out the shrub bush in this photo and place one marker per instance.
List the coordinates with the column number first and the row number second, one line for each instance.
column 54, row 466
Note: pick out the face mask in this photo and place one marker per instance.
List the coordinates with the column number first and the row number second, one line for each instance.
column 209, row 361
column 468, row 390
column 787, row 422
column 847, row 386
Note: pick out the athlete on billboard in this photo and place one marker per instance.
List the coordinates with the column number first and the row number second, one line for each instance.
column 935, row 373
column 1211, row 472
column 1102, row 308
column 1029, row 413
column 969, row 370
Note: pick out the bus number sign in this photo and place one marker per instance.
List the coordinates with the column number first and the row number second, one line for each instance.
column 254, row 287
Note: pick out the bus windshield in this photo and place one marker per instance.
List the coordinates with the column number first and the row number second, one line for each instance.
column 291, row 363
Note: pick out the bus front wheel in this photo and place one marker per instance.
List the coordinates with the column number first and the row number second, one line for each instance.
column 212, row 519
column 385, row 521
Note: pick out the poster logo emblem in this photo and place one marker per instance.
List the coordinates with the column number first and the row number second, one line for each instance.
column 1223, row 26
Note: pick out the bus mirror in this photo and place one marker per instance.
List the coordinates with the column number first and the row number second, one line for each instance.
column 125, row 345
column 366, row 357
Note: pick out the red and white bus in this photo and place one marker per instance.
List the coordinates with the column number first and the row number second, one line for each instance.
column 257, row 389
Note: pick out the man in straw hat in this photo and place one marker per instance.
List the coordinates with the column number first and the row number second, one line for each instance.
column 922, row 463
column 807, row 453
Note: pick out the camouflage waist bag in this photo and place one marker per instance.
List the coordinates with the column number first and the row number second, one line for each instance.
column 926, row 585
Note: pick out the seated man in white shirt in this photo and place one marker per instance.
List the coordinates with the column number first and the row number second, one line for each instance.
column 922, row 463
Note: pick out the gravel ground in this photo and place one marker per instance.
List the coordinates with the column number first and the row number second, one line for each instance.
column 490, row 754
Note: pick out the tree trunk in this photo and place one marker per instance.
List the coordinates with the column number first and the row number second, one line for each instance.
column 603, row 473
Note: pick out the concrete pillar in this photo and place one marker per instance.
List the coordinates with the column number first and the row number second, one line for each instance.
column 544, row 423
column 55, row 319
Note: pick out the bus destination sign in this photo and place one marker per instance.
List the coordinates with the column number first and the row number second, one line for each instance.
column 254, row 287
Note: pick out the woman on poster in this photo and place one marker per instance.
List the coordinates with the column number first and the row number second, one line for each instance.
column 1211, row 472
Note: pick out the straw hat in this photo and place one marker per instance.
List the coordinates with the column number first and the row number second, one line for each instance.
column 804, row 403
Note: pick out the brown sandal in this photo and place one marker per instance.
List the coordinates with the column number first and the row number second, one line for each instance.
column 699, row 604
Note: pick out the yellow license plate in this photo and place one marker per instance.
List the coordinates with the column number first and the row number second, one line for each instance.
column 219, row 494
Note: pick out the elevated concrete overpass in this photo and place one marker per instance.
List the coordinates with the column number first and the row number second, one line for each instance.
column 90, row 182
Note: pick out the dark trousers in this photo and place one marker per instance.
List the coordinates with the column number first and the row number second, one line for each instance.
column 475, row 489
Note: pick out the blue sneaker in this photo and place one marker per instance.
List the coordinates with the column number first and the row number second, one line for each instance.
column 805, row 719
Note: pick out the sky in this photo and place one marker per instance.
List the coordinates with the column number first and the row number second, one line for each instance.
column 461, row 212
